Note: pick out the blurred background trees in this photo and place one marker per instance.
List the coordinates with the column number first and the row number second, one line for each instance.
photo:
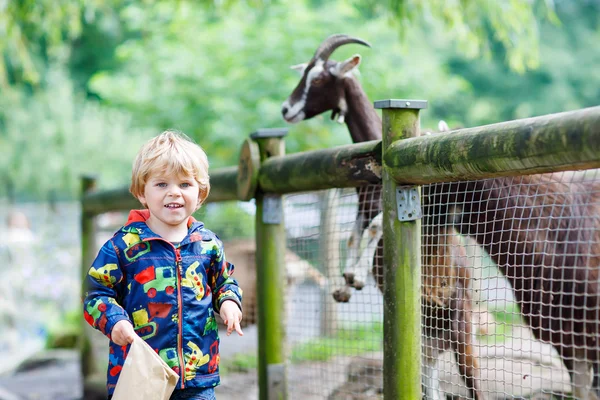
column 83, row 83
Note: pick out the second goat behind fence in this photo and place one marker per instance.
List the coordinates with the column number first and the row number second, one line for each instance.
column 447, row 311
column 543, row 232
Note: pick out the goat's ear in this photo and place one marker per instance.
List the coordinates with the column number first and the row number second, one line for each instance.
column 346, row 66
column 299, row 67
column 443, row 126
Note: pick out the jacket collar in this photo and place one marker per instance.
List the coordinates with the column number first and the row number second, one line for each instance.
column 136, row 223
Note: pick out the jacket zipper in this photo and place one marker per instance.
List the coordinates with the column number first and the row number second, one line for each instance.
column 180, row 315
column 179, row 309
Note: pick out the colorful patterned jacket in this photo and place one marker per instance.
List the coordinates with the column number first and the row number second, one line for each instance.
column 169, row 293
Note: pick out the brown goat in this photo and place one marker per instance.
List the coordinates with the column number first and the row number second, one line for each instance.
column 544, row 235
column 447, row 307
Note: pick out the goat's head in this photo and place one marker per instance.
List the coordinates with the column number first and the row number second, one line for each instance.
column 321, row 87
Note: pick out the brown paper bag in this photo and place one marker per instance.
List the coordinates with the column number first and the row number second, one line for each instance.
column 145, row 375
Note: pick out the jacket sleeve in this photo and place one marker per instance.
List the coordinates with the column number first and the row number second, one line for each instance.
column 223, row 286
column 103, row 285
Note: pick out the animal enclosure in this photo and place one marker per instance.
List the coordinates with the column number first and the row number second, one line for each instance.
column 489, row 289
column 475, row 294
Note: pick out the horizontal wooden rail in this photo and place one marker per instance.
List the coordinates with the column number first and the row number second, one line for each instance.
column 342, row 166
column 555, row 142
column 223, row 187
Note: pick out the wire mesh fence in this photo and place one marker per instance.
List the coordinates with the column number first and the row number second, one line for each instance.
column 330, row 341
column 510, row 290
column 541, row 232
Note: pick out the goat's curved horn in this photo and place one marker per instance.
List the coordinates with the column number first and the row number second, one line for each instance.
column 333, row 42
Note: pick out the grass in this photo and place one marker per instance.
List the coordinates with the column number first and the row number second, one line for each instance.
column 350, row 341
column 347, row 342
column 241, row 362
column 511, row 315
column 65, row 332
column 504, row 319
column 360, row 339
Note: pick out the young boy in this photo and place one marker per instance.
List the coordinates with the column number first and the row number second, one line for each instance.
column 163, row 275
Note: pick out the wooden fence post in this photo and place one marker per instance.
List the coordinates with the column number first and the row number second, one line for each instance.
column 402, row 262
column 87, row 226
column 270, row 279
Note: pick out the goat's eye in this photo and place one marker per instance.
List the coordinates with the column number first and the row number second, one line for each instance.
column 317, row 82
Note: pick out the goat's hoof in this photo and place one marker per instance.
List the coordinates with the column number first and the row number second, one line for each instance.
column 349, row 278
column 358, row 285
column 342, row 295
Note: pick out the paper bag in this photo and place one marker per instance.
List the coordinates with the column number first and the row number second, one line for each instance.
column 145, row 375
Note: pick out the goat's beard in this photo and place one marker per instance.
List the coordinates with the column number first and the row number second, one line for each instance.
column 337, row 115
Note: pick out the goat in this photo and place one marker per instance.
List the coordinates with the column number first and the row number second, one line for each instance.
column 544, row 235
column 329, row 85
column 446, row 317
column 553, row 274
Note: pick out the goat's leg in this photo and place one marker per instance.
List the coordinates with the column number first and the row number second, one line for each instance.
column 596, row 381
column 580, row 380
column 463, row 339
column 369, row 206
column 430, row 381
column 377, row 270
column 352, row 254
column 369, row 243
column 579, row 372
column 356, row 273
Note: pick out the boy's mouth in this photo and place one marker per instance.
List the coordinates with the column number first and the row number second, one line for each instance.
column 173, row 206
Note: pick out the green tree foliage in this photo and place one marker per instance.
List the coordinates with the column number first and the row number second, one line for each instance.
column 52, row 137
column 475, row 25
column 566, row 79
column 33, row 31
column 216, row 79
column 218, row 73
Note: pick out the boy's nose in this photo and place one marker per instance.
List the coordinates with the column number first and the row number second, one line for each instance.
column 174, row 191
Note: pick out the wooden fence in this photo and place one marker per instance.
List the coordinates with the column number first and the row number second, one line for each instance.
column 557, row 142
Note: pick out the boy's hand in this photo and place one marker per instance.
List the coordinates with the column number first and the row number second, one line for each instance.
column 232, row 316
column 123, row 333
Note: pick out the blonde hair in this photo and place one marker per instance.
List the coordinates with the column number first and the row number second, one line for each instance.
column 170, row 153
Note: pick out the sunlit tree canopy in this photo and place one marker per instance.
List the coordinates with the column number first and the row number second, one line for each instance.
column 84, row 83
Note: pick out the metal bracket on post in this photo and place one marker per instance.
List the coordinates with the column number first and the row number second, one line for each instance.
column 408, row 203
column 273, row 208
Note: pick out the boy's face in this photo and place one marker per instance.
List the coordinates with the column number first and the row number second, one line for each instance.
column 171, row 199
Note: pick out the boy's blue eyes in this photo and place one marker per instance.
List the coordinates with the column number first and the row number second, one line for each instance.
column 183, row 185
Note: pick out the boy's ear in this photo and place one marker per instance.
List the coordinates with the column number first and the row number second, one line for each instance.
column 142, row 199
column 202, row 195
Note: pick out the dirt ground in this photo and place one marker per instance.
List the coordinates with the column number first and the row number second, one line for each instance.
column 520, row 367
column 506, row 372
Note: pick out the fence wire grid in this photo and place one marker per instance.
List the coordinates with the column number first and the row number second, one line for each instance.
column 510, row 290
